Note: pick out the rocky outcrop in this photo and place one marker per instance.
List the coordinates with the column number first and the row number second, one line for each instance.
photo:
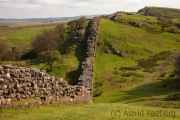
column 86, row 77
column 113, row 50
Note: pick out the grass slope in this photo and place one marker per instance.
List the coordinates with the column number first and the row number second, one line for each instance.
column 131, row 86
column 100, row 111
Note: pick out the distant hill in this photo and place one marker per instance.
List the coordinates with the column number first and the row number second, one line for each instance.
column 51, row 19
column 160, row 12
column 42, row 19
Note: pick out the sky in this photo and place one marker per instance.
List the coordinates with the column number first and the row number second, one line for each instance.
column 70, row 8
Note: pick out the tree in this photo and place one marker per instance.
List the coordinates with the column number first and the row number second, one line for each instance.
column 16, row 53
column 164, row 23
column 49, row 39
column 4, row 51
column 75, row 25
column 72, row 27
column 49, row 57
column 45, row 41
column 60, row 30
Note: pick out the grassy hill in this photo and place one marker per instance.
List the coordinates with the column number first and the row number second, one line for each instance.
column 160, row 12
column 122, row 79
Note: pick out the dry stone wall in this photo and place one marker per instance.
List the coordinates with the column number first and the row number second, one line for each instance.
column 21, row 84
column 112, row 16
column 86, row 77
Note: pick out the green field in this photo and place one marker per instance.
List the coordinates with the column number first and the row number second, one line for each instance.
column 22, row 36
column 100, row 111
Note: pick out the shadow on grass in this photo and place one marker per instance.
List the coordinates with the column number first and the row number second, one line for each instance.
column 36, row 61
column 80, row 52
column 150, row 91
column 72, row 76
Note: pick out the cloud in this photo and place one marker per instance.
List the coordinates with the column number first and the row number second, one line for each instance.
column 18, row 4
column 61, row 3
column 47, row 8
column 42, row 3
column 50, row 2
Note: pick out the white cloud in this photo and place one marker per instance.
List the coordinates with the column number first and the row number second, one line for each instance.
column 47, row 8
column 50, row 2
column 24, row 6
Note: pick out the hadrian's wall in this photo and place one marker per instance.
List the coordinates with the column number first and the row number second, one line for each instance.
column 111, row 16
column 30, row 84
column 19, row 83
column 86, row 77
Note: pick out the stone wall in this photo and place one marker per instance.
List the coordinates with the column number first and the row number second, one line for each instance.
column 24, row 84
column 112, row 16
column 86, row 77
column 19, row 83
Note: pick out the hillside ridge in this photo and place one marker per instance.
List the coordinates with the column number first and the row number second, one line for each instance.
column 165, row 12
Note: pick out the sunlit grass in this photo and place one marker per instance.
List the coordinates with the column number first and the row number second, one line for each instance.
column 21, row 37
column 100, row 111
column 124, row 85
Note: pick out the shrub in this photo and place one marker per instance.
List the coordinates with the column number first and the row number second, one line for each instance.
column 173, row 96
column 115, row 72
column 129, row 74
column 133, row 68
column 49, row 39
column 173, row 29
column 97, row 92
column 49, row 57
column 98, row 84
column 4, row 50
column 162, row 74
column 150, row 62
column 173, row 83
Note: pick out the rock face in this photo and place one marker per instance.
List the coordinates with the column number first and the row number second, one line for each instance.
column 20, row 83
column 87, row 67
